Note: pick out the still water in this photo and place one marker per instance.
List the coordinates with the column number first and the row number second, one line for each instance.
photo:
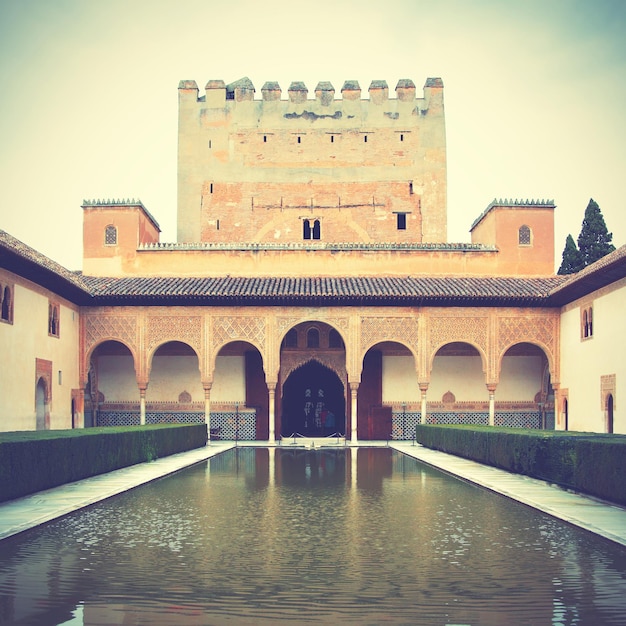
column 258, row 536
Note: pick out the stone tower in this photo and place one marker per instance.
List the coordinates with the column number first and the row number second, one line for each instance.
column 287, row 170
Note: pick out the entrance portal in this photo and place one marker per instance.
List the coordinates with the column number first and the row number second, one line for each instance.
column 313, row 402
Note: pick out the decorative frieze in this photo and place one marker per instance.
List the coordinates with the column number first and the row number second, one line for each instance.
column 164, row 328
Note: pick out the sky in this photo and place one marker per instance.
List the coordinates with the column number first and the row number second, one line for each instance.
column 535, row 92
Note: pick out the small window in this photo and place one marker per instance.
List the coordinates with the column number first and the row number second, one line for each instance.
column 401, row 221
column 411, row 187
column 586, row 323
column 53, row 319
column 291, row 339
column 524, row 236
column 364, row 138
column 401, row 137
column 334, row 339
column 306, row 229
column 6, row 305
column 110, row 235
column 299, row 139
column 209, row 144
column 313, row 338
column 332, row 139
column 317, row 230
column 264, row 138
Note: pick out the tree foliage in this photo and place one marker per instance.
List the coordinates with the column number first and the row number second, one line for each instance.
column 594, row 242
column 572, row 259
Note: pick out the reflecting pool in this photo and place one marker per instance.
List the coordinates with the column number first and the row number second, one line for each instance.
column 258, row 536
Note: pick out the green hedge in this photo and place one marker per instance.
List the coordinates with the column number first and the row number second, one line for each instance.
column 591, row 463
column 36, row 460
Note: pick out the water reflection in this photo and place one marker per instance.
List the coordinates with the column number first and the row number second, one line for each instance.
column 298, row 536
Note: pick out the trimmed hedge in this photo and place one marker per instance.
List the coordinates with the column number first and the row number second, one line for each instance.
column 31, row 461
column 592, row 463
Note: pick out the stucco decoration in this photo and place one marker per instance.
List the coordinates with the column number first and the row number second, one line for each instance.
column 334, row 361
column 447, row 329
column 539, row 330
column 404, row 330
column 607, row 387
column 227, row 329
column 110, row 328
column 164, row 328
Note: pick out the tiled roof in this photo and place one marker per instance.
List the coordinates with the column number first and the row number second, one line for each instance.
column 320, row 291
column 549, row 291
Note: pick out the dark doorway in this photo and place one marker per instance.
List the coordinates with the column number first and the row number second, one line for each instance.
column 313, row 402
column 609, row 414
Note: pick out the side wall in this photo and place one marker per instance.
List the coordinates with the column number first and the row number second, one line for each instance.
column 25, row 341
column 594, row 366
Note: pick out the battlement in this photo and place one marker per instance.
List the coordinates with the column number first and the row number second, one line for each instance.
column 217, row 92
column 522, row 204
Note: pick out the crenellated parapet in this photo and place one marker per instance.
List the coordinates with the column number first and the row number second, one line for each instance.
column 218, row 93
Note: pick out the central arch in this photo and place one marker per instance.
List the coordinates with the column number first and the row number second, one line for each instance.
column 314, row 402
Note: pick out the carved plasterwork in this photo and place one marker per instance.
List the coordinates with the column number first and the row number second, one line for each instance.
column 227, row 329
column 533, row 329
column 291, row 361
column 607, row 387
column 110, row 328
column 163, row 328
column 404, row 330
column 447, row 329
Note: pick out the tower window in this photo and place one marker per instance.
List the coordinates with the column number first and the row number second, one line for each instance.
column 401, row 137
column 264, row 138
column 524, row 236
column 306, row 229
column 365, row 138
column 110, row 235
column 401, row 221
column 316, row 229
column 299, row 139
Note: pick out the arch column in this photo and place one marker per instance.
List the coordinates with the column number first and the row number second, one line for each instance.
column 271, row 389
column 143, row 386
column 423, row 389
column 491, row 388
column 207, row 407
column 354, row 388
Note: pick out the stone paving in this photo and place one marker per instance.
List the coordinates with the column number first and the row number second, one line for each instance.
column 601, row 518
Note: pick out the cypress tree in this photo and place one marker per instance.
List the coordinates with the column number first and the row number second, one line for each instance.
column 594, row 240
column 572, row 259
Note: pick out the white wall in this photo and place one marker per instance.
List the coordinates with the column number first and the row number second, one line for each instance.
column 520, row 378
column 229, row 379
column 462, row 375
column 26, row 340
column 400, row 379
column 583, row 362
column 116, row 378
column 171, row 375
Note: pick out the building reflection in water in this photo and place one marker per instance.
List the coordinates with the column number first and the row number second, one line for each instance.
column 328, row 536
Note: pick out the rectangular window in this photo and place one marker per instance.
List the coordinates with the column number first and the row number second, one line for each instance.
column 401, row 221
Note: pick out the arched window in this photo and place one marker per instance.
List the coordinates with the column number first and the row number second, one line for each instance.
column 586, row 323
column 334, row 339
column 6, row 309
column 306, row 229
column 291, row 339
column 524, row 236
column 110, row 235
column 313, row 338
column 53, row 320
column 316, row 229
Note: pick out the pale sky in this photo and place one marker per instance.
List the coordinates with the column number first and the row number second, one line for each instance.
column 535, row 97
